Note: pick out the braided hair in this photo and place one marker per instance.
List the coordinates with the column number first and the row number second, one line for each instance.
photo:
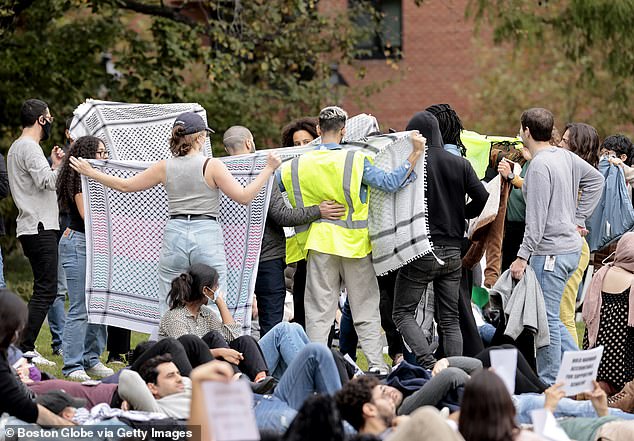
column 449, row 124
column 69, row 181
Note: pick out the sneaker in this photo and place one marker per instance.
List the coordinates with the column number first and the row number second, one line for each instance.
column 78, row 375
column 624, row 400
column 37, row 358
column 265, row 386
column 116, row 359
column 100, row 370
column 58, row 351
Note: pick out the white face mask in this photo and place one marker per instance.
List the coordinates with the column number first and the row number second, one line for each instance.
column 212, row 298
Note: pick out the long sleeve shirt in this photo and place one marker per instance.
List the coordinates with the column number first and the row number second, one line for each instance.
column 15, row 398
column 133, row 389
column 554, row 208
column 33, row 185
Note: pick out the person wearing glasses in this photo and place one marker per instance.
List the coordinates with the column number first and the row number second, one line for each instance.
column 82, row 342
column 33, row 181
column 193, row 183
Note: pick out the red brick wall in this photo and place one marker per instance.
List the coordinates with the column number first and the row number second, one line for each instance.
column 437, row 65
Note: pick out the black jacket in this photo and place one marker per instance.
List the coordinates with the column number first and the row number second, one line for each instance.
column 449, row 179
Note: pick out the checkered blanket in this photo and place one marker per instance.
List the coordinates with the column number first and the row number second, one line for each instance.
column 124, row 231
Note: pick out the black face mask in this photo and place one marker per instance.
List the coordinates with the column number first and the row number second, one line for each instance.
column 46, row 128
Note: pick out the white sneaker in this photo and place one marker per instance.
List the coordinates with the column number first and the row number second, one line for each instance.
column 37, row 358
column 79, row 375
column 100, row 370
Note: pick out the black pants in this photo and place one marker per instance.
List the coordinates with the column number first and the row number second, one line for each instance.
column 513, row 236
column 41, row 250
column 188, row 351
column 118, row 341
column 270, row 290
column 299, row 286
column 253, row 362
column 526, row 380
column 386, row 306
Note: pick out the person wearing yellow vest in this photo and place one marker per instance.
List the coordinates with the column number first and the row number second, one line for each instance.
column 338, row 252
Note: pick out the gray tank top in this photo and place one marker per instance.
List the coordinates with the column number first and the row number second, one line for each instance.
column 187, row 191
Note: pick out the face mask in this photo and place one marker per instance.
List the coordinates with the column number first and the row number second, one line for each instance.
column 46, row 128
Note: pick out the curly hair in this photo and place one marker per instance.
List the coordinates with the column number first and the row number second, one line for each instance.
column 181, row 144
column 352, row 396
column 449, row 124
column 487, row 412
column 69, row 181
column 308, row 124
column 621, row 145
column 583, row 140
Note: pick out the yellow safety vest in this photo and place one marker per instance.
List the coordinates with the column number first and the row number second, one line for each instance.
column 328, row 175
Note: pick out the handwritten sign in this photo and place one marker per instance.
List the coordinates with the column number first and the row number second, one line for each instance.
column 230, row 411
column 504, row 364
column 578, row 369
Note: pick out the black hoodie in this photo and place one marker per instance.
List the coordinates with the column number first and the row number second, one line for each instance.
column 449, row 179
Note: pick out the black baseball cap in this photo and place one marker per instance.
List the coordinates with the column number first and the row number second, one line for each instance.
column 192, row 122
column 58, row 400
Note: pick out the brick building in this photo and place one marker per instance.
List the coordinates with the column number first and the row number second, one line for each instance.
column 437, row 64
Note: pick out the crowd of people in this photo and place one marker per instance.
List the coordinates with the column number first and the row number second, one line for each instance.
column 439, row 386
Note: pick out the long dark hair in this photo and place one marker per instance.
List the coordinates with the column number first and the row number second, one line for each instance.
column 487, row 412
column 13, row 317
column 583, row 140
column 69, row 181
column 188, row 287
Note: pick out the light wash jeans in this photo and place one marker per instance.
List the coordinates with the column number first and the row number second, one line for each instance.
column 567, row 407
column 281, row 345
column 553, row 284
column 312, row 371
column 57, row 313
column 186, row 242
column 82, row 342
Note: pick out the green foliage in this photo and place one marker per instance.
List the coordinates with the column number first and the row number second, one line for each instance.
column 574, row 57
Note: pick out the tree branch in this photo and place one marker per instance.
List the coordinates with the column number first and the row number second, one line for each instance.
column 158, row 11
column 6, row 22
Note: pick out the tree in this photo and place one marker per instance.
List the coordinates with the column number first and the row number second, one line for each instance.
column 258, row 63
column 574, row 57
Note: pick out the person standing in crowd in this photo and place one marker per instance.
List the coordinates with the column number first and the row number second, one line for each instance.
column 270, row 287
column 554, row 216
column 339, row 251
column 82, row 342
column 620, row 151
column 449, row 179
column 583, row 140
column 32, row 181
column 450, row 127
column 193, row 183
column 298, row 133
column 57, row 312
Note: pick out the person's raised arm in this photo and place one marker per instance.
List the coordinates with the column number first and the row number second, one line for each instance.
column 218, row 175
column 148, row 178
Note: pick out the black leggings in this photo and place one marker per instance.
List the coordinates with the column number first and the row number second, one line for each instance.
column 188, row 351
column 526, row 381
column 253, row 362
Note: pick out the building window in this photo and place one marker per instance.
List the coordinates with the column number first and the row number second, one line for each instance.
column 379, row 23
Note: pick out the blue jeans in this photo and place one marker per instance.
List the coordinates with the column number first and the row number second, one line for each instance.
column 567, row 407
column 57, row 313
column 553, row 284
column 270, row 290
column 186, row 242
column 281, row 345
column 82, row 342
column 312, row 371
